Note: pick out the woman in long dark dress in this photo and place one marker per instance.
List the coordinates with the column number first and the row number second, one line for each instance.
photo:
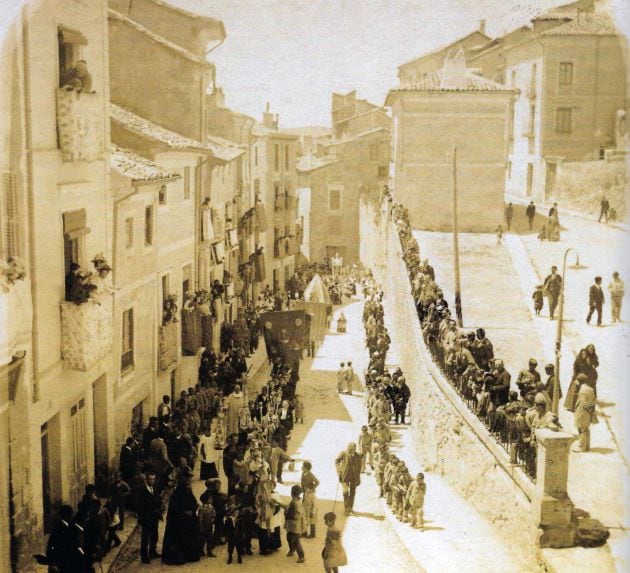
column 593, row 363
column 181, row 536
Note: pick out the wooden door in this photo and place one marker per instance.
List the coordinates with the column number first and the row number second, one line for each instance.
column 79, row 468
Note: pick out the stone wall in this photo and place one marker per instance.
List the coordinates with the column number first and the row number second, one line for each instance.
column 448, row 438
column 581, row 184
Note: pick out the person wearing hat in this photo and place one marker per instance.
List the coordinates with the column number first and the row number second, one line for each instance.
column 528, row 378
column 401, row 398
column 617, row 290
column 552, row 287
column 595, row 301
column 482, row 350
column 181, row 535
column 572, row 392
column 539, row 417
column 585, row 416
column 341, row 377
column 348, row 466
column 415, row 501
column 550, row 384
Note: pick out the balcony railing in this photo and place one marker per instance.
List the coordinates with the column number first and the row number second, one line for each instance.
column 80, row 125
column 86, row 332
column 168, row 345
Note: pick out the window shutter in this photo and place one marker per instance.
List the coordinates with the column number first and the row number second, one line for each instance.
column 9, row 221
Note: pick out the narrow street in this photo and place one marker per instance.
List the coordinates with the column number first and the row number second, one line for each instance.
column 331, row 422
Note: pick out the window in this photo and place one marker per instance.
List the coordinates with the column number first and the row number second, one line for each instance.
column 383, row 171
column 532, row 119
column 166, row 286
column 187, row 279
column 563, row 120
column 256, row 156
column 287, row 156
column 513, row 79
column 162, row 195
column 126, row 356
column 257, row 188
column 148, row 225
column 566, row 73
column 8, row 214
column 334, row 199
column 129, row 233
column 74, row 231
column 276, row 156
column 69, row 48
column 186, row 182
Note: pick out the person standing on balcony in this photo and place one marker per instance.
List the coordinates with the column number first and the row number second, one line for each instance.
column 78, row 78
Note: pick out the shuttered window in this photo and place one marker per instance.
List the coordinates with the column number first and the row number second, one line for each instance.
column 126, row 358
column 8, row 217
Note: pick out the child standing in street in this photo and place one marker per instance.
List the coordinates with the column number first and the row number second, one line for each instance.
column 333, row 554
column 499, row 233
column 539, row 299
column 206, row 528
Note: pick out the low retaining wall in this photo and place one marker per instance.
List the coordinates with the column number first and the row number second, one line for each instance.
column 448, row 437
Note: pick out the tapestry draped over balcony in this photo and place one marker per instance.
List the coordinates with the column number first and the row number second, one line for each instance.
column 168, row 346
column 86, row 332
column 80, row 125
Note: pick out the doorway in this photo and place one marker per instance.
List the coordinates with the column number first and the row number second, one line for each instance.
column 79, row 468
column 101, row 454
column 51, row 470
column 550, row 179
column 530, row 179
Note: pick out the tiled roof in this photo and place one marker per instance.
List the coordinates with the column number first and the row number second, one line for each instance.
column 585, row 25
column 354, row 137
column 311, row 163
column 148, row 129
column 445, row 48
column 138, row 168
column 261, row 130
column 193, row 15
column 113, row 15
column 550, row 16
column 474, row 83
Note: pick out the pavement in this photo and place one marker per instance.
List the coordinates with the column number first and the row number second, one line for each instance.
column 456, row 537
column 497, row 284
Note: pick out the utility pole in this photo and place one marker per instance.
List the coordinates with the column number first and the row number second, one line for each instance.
column 458, row 288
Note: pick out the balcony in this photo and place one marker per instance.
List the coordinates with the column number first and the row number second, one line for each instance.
column 15, row 316
column 86, row 332
column 80, row 125
column 168, row 345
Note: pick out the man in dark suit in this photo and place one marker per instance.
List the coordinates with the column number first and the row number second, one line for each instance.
column 595, row 301
column 552, row 288
column 58, row 548
column 128, row 460
column 531, row 213
column 149, row 514
column 348, row 466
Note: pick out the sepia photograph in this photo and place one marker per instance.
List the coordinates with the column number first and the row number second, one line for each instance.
column 314, row 285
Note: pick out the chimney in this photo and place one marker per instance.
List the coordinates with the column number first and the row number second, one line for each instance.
column 454, row 71
column 217, row 97
column 268, row 119
column 482, row 26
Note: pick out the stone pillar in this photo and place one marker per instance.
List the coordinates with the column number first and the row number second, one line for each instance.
column 551, row 505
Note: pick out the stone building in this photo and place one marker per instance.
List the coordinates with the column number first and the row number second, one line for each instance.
column 173, row 255
column 451, row 107
column 274, row 178
column 55, row 192
column 354, row 161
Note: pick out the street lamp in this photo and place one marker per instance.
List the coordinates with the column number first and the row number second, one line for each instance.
column 556, row 386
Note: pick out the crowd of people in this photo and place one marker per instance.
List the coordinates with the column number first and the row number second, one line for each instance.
column 468, row 362
column 387, row 399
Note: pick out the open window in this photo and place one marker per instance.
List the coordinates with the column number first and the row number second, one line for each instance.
column 71, row 44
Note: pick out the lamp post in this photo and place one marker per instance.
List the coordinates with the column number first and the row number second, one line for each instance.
column 458, row 288
column 556, row 386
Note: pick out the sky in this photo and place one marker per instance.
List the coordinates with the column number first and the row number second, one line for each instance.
column 295, row 53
